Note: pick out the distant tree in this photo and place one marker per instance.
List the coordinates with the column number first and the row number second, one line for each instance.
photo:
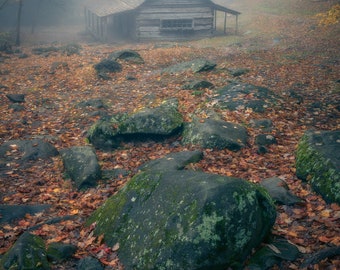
column 332, row 16
column 18, row 24
column 58, row 3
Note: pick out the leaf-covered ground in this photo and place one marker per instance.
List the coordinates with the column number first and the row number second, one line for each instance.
column 284, row 52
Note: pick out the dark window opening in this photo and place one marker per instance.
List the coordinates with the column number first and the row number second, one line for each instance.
column 180, row 24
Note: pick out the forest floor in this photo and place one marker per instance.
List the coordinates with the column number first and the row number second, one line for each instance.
column 284, row 51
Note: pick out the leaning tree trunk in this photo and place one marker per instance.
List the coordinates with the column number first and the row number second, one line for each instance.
column 17, row 41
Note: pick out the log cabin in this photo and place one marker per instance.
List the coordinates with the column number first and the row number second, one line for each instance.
column 154, row 20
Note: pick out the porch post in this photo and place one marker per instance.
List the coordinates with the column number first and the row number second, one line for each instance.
column 236, row 27
column 225, row 22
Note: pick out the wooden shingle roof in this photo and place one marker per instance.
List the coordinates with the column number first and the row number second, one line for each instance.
column 104, row 8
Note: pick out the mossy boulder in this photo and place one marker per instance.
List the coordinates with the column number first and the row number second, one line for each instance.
column 185, row 220
column 318, row 161
column 147, row 123
column 27, row 253
column 211, row 133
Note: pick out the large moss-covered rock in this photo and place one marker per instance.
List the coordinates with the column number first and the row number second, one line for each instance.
column 185, row 220
column 318, row 161
column 148, row 123
column 213, row 133
column 27, row 253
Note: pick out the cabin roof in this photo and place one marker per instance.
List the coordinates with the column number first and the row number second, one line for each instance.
column 104, row 8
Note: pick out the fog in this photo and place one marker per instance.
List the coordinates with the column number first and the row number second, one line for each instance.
column 44, row 20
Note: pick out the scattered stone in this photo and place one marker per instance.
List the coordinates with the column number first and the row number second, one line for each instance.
column 127, row 55
column 273, row 254
column 59, row 252
column 197, row 65
column 215, row 134
column 197, row 85
column 318, row 161
column 28, row 252
column 185, row 220
column 236, row 72
column 130, row 77
column 173, row 161
column 279, row 191
column 16, row 153
column 71, row 49
column 263, row 124
column 17, row 107
column 16, row 98
column 262, row 150
column 295, row 95
column 44, row 50
column 265, row 139
column 81, row 165
column 10, row 213
column 23, row 55
column 58, row 65
column 94, row 103
column 106, row 66
column 89, row 263
column 236, row 96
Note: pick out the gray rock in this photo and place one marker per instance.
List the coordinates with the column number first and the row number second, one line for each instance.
column 9, row 213
column 105, row 66
column 16, row 98
column 198, row 84
column 89, row 263
column 28, row 252
column 127, row 55
column 185, row 220
column 279, row 191
column 263, row 124
column 148, row 123
column 236, row 72
column 318, row 160
column 81, row 165
column 196, row 66
column 21, row 152
column 215, row 134
column 240, row 95
column 265, row 139
column 94, row 103
column 173, row 161
column 17, row 107
column 273, row 254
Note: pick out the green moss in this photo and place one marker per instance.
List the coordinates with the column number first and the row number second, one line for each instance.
column 313, row 167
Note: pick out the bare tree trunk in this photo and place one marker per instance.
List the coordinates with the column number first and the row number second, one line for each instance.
column 17, row 41
column 35, row 18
